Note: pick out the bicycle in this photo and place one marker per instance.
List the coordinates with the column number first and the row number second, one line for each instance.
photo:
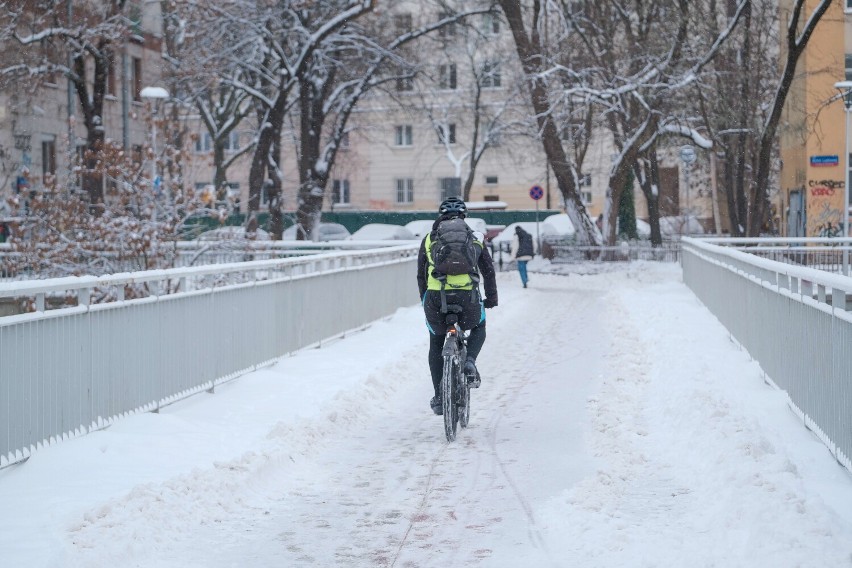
column 455, row 386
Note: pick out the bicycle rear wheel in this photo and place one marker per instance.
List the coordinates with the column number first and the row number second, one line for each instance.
column 449, row 380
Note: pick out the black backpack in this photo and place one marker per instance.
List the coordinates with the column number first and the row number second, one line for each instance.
column 453, row 248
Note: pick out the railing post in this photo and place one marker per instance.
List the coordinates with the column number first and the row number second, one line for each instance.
column 84, row 296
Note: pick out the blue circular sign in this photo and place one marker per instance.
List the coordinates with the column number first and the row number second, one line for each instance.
column 536, row 192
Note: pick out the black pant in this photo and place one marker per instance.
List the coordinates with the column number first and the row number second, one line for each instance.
column 471, row 318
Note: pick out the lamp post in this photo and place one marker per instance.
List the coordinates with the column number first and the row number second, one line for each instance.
column 845, row 88
column 155, row 94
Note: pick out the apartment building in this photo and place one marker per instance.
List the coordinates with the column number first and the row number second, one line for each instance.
column 813, row 131
column 409, row 145
column 41, row 134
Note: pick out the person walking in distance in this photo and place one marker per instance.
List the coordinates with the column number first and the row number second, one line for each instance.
column 522, row 252
column 451, row 261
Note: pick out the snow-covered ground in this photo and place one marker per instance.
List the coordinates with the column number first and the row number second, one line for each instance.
column 617, row 425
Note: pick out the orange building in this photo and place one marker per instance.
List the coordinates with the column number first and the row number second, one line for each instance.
column 812, row 133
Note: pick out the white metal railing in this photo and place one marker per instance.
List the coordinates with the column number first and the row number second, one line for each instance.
column 195, row 253
column 793, row 320
column 830, row 254
column 66, row 371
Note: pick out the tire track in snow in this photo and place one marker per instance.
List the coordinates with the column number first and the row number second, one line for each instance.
column 549, row 327
column 377, row 485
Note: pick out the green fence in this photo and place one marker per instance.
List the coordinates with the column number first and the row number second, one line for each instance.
column 354, row 220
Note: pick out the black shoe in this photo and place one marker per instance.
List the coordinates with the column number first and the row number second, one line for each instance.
column 437, row 406
column 472, row 374
column 525, row 284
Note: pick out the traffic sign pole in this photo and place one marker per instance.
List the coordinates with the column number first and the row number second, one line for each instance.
column 536, row 193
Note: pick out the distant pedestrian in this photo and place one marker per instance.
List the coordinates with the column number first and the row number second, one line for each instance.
column 522, row 252
column 4, row 232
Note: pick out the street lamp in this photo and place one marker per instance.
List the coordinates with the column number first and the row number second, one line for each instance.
column 155, row 94
column 845, row 88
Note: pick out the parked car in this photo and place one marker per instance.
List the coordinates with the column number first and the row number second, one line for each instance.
column 382, row 232
column 420, row 227
column 327, row 232
column 676, row 225
column 233, row 233
column 503, row 241
column 560, row 225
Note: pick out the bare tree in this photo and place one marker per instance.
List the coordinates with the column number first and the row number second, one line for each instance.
column 352, row 63
column 800, row 27
column 471, row 101
column 53, row 38
column 531, row 49
column 206, row 56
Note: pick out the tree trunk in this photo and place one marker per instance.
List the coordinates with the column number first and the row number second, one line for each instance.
column 271, row 123
column 797, row 40
column 647, row 172
column 530, row 52
column 276, row 214
column 311, row 182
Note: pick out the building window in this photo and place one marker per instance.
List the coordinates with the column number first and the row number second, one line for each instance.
column 849, row 62
column 204, row 143
column 491, row 24
column 585, row 180
column 48, row 157
column 490, row 180
column 136, row 78
column 450, row 187
column 849, row 4
column 447, row 134
column 447, row 30
column 404, row 135
column 136, row 154
column 404, row 84
column 586, row 196
column 134, row 15
column 491, row 74
column 340, row 192
column 402, row 23
column 405, row 190
column 110, row 82
column 232, row 143
column 447, row 76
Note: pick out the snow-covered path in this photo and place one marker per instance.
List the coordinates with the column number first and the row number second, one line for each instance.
column 617, row 425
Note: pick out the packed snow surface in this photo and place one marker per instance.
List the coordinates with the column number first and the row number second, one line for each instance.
column 617, row 425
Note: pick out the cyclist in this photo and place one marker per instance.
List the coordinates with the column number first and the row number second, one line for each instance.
column 461, row 290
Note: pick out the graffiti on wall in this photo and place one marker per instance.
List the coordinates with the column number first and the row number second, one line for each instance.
column 825, row 208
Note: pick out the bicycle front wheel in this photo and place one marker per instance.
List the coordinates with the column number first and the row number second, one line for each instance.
column 449, row 396
column 463, row 398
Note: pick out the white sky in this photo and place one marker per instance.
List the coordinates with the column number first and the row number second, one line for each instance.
column 617, row 425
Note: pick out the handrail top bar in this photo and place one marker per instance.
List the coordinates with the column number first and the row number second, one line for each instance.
column 810, row 274
column 760, row 240
column 29, row 287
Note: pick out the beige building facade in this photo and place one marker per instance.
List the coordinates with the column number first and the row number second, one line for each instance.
column 40, row 131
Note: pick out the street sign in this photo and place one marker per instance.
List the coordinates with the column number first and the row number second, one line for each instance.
column 824, row 161
column 536, row 192
column 687, row 154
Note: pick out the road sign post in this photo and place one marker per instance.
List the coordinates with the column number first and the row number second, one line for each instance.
column 536, row 192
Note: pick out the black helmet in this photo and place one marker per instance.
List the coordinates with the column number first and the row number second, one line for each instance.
column 452, row 206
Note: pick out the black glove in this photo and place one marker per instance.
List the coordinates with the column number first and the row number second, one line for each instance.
column 490, row 302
